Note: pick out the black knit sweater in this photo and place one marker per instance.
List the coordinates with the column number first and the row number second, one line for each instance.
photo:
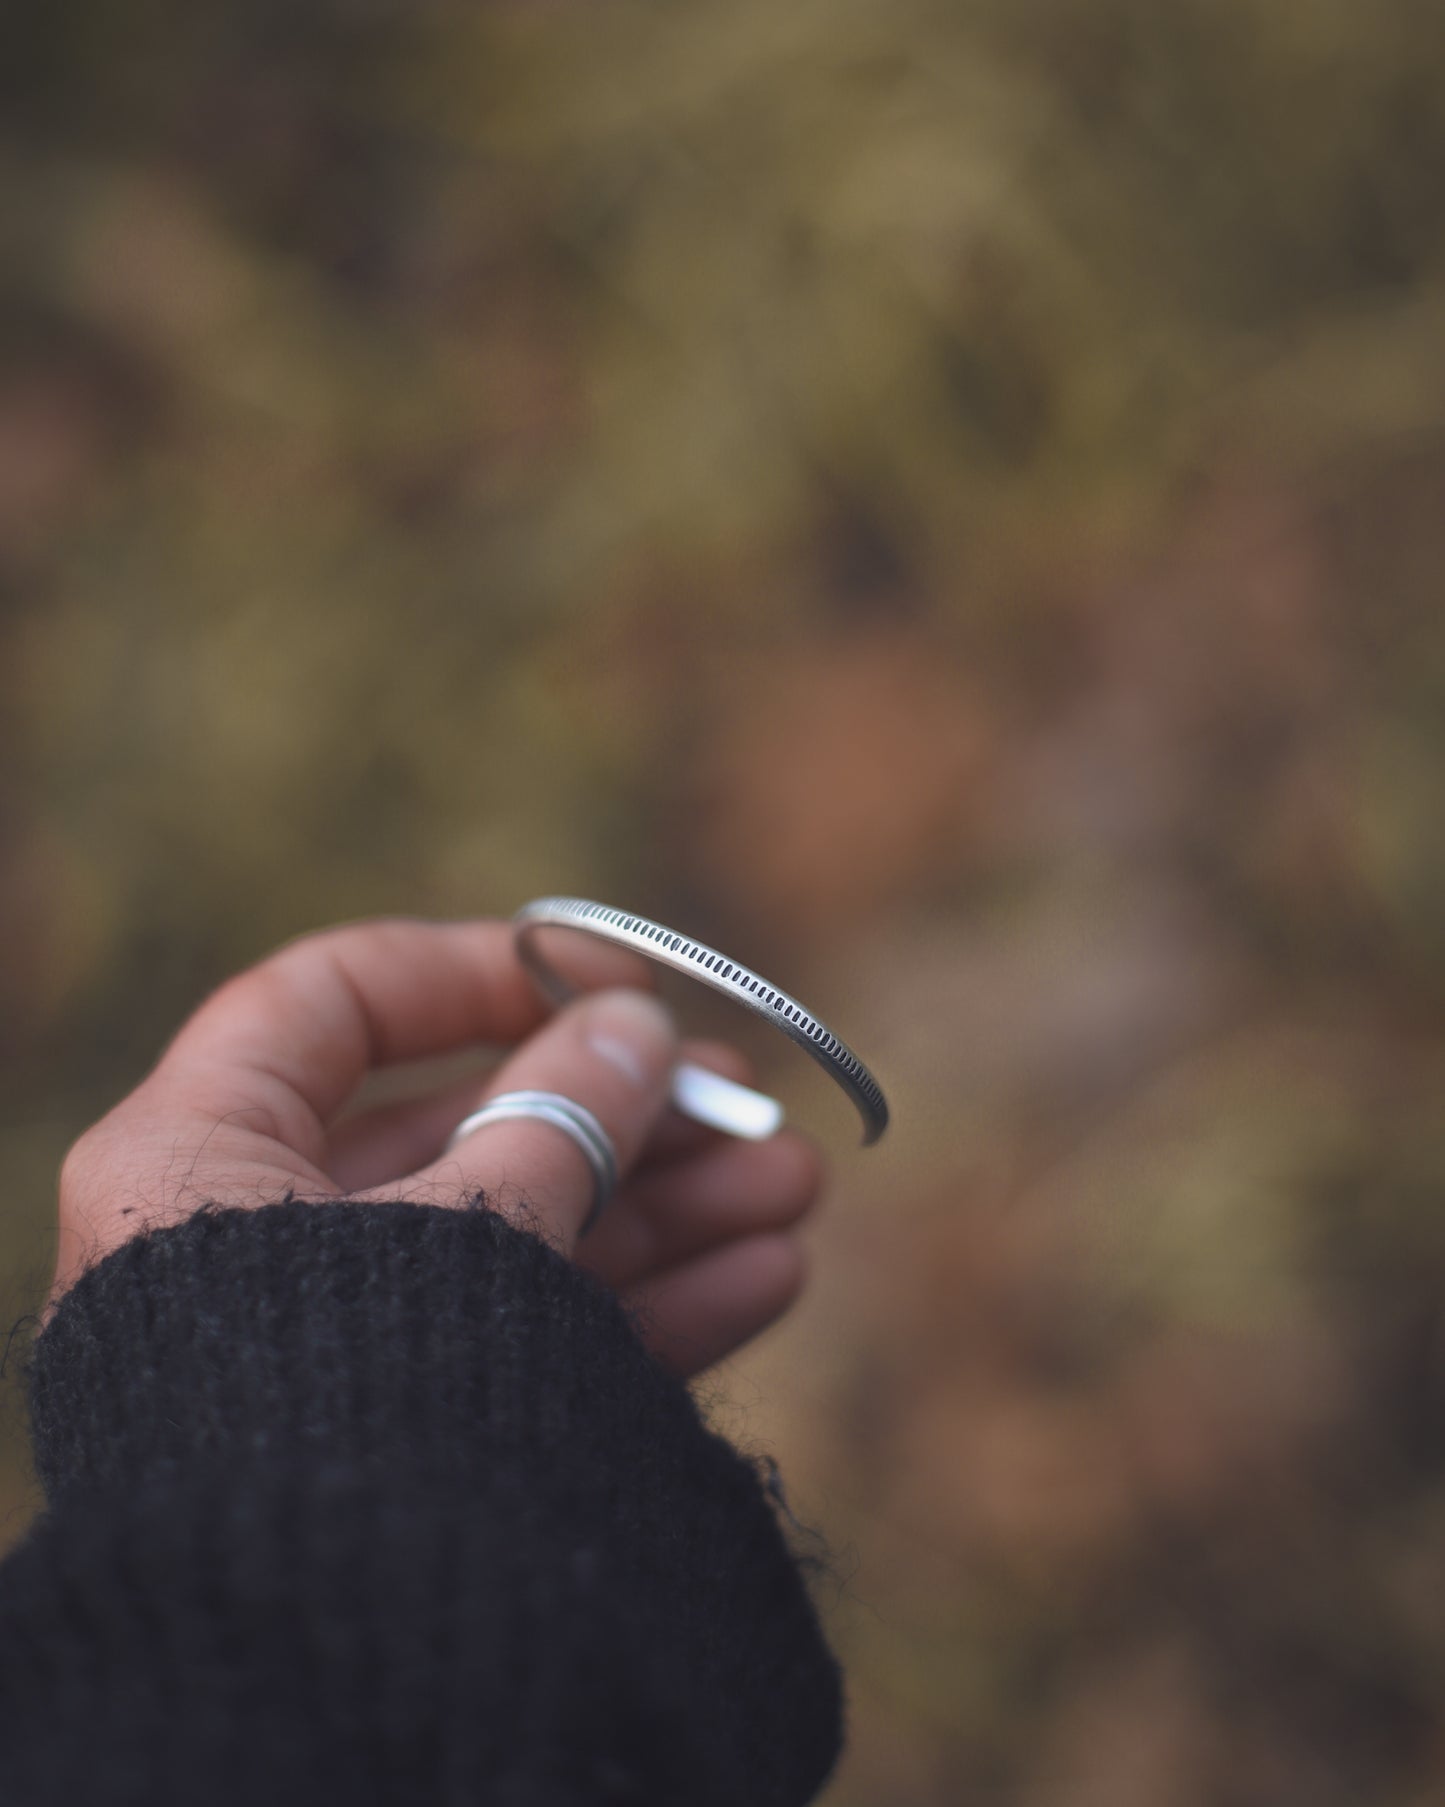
column 387, row 1503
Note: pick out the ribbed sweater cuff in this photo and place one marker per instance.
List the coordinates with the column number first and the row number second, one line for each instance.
column 390, row 1497
column 408, row 1336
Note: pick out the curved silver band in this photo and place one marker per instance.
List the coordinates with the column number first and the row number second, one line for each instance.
column 706, row 964
column 573, row 1119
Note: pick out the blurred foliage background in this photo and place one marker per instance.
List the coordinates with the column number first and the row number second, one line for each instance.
column 942, row 500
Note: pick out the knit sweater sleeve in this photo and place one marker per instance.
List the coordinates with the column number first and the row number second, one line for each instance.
column 387, row 1503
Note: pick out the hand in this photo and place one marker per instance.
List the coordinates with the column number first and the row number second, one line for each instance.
column 245, row 1106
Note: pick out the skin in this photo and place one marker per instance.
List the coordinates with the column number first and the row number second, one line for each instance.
column 249, row 1103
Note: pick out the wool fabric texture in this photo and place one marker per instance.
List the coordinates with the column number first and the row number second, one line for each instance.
column 384, row 1503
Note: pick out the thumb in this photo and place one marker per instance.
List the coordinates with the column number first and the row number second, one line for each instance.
column 611, row 1052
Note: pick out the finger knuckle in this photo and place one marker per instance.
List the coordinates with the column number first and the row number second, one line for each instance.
column 81, row 1161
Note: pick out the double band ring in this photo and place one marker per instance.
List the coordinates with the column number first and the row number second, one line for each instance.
column 573, row 1119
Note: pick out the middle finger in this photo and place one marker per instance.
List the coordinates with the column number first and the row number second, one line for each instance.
column 729, row 1190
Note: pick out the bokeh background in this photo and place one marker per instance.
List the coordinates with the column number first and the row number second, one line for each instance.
column 942, row 498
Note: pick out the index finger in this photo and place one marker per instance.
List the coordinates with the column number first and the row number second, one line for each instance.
column 323, row 1010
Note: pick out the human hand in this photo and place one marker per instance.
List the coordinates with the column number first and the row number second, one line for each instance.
column 246, row 1105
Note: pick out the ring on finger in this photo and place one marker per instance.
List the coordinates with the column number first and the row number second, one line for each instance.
column 573, row 1119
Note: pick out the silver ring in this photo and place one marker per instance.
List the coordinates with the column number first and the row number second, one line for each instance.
column 642, row 936
column 573, row 1119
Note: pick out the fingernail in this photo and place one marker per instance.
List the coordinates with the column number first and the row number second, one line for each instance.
column 633, row 1032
